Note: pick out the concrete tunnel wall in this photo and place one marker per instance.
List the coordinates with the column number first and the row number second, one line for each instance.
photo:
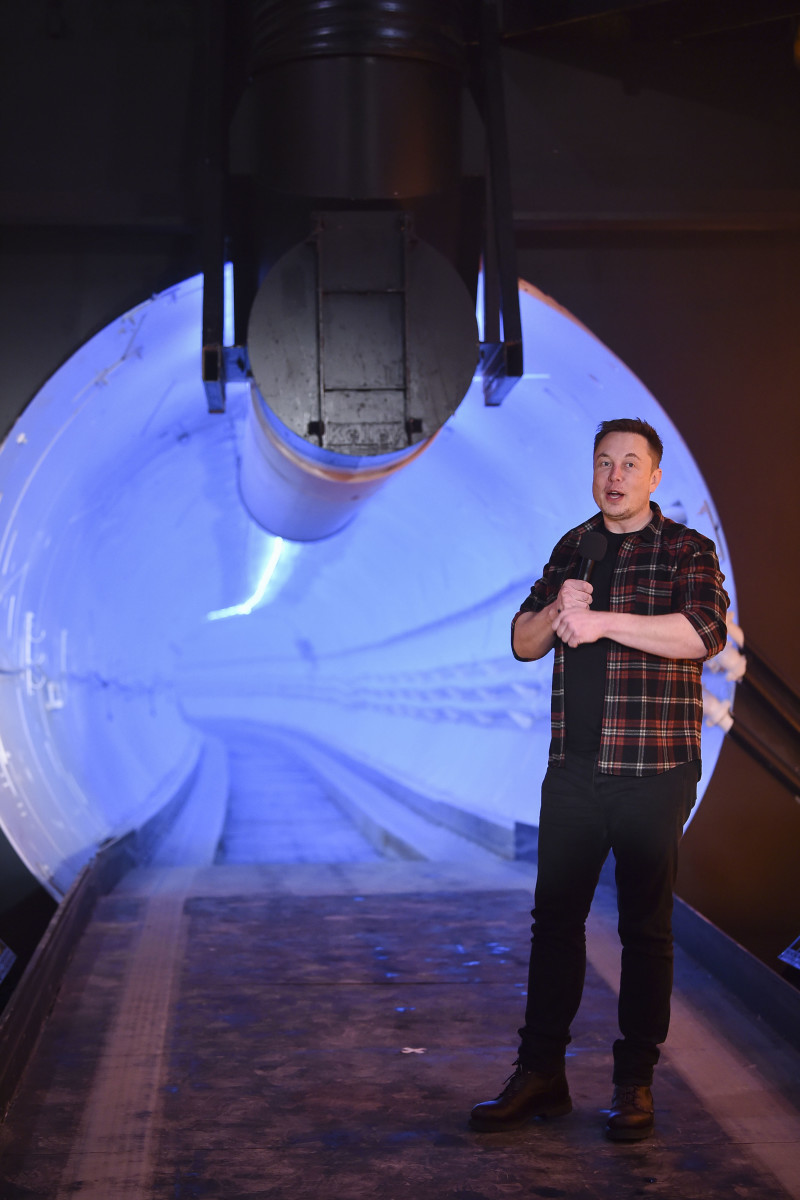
column 138, row 598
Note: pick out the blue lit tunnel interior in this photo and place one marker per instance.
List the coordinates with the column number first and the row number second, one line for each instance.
column 141, row 607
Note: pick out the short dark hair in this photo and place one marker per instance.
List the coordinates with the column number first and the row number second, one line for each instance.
column 631, row 425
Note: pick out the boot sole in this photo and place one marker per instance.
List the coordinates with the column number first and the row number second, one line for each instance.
column 629, row 1135
column 559, row 1109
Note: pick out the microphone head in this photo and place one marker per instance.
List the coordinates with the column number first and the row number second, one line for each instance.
column 593, row 545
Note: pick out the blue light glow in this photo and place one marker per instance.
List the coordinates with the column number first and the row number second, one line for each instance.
column 244, row 610
column 228, row 334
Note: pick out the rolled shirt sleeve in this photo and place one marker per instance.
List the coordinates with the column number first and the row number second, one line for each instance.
column 701, row 595
column 546, row 589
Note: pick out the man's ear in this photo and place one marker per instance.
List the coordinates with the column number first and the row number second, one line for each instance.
column 655, row 479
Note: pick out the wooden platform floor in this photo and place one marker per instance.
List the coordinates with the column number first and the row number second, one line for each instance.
column 243, row 1031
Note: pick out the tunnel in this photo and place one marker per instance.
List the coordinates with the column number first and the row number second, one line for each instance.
column 147, row 615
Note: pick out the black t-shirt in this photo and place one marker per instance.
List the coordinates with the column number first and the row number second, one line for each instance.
column 585, row 666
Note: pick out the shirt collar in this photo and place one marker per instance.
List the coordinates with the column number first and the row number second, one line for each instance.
column 649, row 533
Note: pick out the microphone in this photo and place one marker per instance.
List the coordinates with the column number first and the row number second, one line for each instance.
column 592, row 548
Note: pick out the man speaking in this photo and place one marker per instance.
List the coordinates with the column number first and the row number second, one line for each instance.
column 632, row 603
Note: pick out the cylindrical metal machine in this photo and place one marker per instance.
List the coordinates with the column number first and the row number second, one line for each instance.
column 358, row 99
column 362, row 343
column 362, row 338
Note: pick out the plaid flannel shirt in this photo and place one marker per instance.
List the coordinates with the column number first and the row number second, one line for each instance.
column 653, row 706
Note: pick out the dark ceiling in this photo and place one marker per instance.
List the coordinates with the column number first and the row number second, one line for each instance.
column 739, row 55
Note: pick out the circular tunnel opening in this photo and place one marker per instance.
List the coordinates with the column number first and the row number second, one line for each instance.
column 146, row 617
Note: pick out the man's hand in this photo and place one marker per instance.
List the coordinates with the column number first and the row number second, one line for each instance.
column 575, row 593
column 534, row 633
column 576, row 625
column 571, row 606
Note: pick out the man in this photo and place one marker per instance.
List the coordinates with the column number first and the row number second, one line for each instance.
column 622, row 773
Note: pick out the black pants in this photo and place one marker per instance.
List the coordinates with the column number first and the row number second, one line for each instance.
column 584, row 815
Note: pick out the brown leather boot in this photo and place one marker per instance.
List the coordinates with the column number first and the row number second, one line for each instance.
column 527, row 1094
column 632, row 1116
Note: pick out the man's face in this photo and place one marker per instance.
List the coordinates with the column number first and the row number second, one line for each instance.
column 624, row 478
